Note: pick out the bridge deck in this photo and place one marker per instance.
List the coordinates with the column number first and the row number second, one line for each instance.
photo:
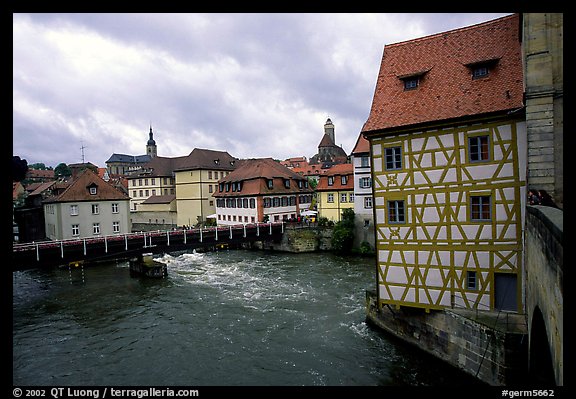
column 50, row 253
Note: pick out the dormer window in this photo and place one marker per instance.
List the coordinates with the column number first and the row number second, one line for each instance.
column 217, row 161
column 482, row 68
column 270, row 183
column 410, row 84
column 93, row 189
column 287, row 183
column 479, row 72
column 412, row 80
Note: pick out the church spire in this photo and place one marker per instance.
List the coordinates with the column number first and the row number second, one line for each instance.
column 151, row 144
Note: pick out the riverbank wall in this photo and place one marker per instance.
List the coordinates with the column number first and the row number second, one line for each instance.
column 297, row 240
column 491, row 346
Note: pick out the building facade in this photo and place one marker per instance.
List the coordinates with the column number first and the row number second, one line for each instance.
column 88, row 207
column 261, row 190
column 335, row 191
column 124, row 164
column 196, row 180
column 447, row 132
column 363, row 199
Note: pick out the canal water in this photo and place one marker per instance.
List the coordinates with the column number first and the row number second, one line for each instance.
column 227, row 318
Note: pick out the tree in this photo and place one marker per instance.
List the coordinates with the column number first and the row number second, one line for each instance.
column 38, row 166
column 343, row 233
column 19, row 168
column 62, row 170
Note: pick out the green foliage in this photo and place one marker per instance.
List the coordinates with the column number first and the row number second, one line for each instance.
column 325, row 222
column 366, row 248
column 62, row 170
column 343, row 233
column 19, row 168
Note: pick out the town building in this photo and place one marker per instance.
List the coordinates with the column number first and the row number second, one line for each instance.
column 196, row 180
column 363, row 199
column 88, row 207
column 447, row 136
column 335, row 191
column 124, row 164
column 328, row 151
column 261, row 190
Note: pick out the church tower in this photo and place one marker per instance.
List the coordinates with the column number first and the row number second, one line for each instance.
column 151, row 145
column 329, row 129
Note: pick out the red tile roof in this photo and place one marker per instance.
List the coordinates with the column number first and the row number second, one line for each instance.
column 362, row 145
column 254, row 175
column 78, row 190
column 337, row 171
column 446, row 89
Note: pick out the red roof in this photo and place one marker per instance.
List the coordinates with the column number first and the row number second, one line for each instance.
column 337, row 171
column 362, row 145
column 446, row 88
column 78, row 190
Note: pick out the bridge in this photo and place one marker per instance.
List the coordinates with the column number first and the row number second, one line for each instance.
column 64, row 252
column 544, row 271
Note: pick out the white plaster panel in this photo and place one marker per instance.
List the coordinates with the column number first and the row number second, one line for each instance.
column 442, row 233
column 434, row 294
column 419, row 178
column 434, row 278
column 445, row 300
column 483, row 259
column 430, row 215
column 377, row 164
column 396, row 258
column 396, row 275
column 454, row 196
column 434, row 175
column 486, row 232
column 396, row 291
column 422, row 297
column 510, row 232
column 432, row 144
column 379, row 216
column 506, row 171
column 471, row 230
column 426, row 160
column 447, row 140
column 384, row 293
column 417, row 144
column 441, row 198
column 379, row 201
column 383, row 255
column 411, row 295
column 409, row 257
column 459, row 302
column 440, row 159
column 450, row 176
column 455, row 232
column 376, row 149
column 479, row 172
column 459, row 258
column 505, row 132
column 444, row 257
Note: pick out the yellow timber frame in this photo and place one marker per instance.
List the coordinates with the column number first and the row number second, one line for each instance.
column 424, row 262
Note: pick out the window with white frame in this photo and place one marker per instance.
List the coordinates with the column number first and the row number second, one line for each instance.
column 114, row 208
column 73, row 210
column 116, row 227
column 368, row 202
column 343, row 197
column 351, row 197
column 343, row 180
column 364, row 161
column 75, row 230
column 365, row 182
column 95, row 209
column 96, row 228
column 330, row 197
column 330, row 180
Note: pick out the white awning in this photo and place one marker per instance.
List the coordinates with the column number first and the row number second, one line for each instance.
column 308, row 213
column 213, row 216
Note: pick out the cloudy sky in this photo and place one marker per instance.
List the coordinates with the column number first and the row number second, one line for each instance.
column 254, row 85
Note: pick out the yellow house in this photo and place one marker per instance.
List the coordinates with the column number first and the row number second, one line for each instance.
column 335, row 191
column 447, row 137
column 196, row 179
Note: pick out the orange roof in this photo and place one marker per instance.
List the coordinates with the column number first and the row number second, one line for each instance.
column 336, row 171
column 78, row 190
column 254, row 174
column 446, row 89
column 362, row 145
